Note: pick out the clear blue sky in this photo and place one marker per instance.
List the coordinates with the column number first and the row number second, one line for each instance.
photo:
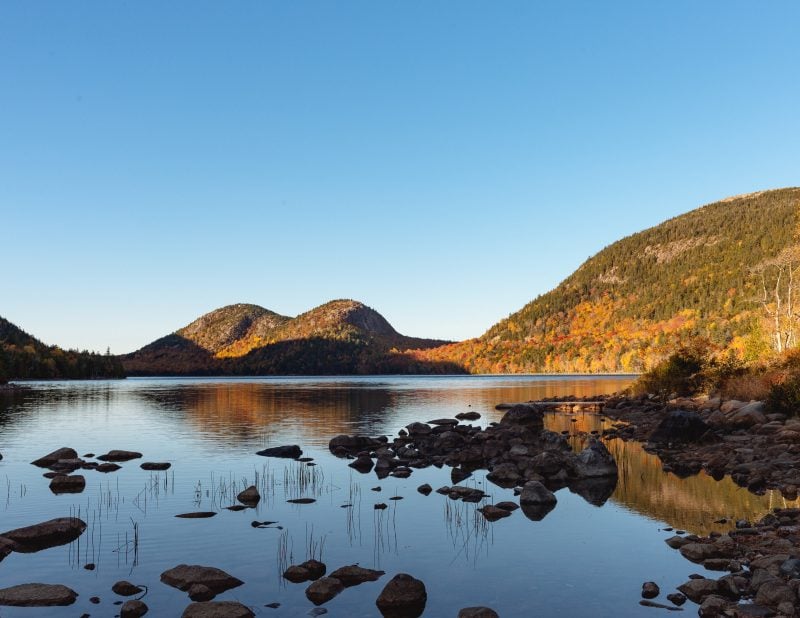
column 443, row 162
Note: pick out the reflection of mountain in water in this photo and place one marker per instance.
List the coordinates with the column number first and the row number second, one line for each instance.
column 692, row 504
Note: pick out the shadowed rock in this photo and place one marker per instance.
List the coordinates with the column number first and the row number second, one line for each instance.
column 493, row 513
column 118, row 455
column 595, row 461
column 64, row 453
column 595, row 491
column 291, row 451
column 108, row 467
column 249, row 496
column 353, row 575
column 37, row 595
column 125, row 588
column 680, row 426
column 534, row 493
column 477, row 612
column 46, row 534
column 323, row 590
column 218, row 609
column 526, row 414
column 403, row 597
column 537, row 512
column 197, row 515
column 73, row 484
column 133, row 609
column 155, row 465
column 184, row 576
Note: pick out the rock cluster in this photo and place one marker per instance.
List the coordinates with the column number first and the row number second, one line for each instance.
column 758, row 450
column 516, row 450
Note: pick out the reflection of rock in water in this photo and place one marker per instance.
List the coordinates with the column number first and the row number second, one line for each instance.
column 595, row 491
column 537, row 512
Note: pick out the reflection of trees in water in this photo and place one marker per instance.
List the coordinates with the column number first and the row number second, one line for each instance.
column 693, row 503
column 249, row 410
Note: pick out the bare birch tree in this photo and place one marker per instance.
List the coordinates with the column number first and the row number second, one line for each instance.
column 780, row 278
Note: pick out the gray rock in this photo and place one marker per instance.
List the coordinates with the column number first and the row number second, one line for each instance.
column 773, row 593
column 595, row 461
column 218, row 609
column 37, row 595
column 404, row 596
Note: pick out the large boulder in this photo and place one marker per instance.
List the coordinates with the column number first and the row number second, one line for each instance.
column 533, row 492
column 403, row 597
column 37, row 595
column 64, row 453
column 680, row 426
column 47, row 534
column 526, row 414
column 748, row 416
column 595, row 461
column 698, row 589
column 291, row 451
column 218, row 609
column 184, row 576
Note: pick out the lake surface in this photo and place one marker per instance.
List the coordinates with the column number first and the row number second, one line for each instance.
column 582, row 559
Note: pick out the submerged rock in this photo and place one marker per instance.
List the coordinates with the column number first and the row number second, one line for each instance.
column 37, row 595
column 477, row 612
column 291, row 451
column 218, row 609
column 197, row 515
column 120, row 455
column 155, row 465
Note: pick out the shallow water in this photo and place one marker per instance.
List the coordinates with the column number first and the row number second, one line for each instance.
column 580, row 560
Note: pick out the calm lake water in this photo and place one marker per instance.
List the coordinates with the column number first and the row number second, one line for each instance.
column 583, row 559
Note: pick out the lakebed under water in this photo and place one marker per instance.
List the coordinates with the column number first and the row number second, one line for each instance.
column 580, row 560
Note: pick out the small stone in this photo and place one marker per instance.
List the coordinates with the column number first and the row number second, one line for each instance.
column 218, row 609
column 354, row 575
column 133, row 609
column 200, row 592
column 197, row 515
column 125, row 589
column 118, row 455
column 425, row 489
column 296, row 574
column 477, row 612
column 677, row 598
column 155, row 465
column 650, row 590
column 249, row 496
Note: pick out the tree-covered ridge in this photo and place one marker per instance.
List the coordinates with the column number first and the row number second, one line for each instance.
column 23, row 357
column 339, row 337
column 636, row 300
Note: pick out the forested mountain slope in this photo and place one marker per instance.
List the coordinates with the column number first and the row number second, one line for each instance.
column 25, row 357
column 339, row 337
column 636, row 300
